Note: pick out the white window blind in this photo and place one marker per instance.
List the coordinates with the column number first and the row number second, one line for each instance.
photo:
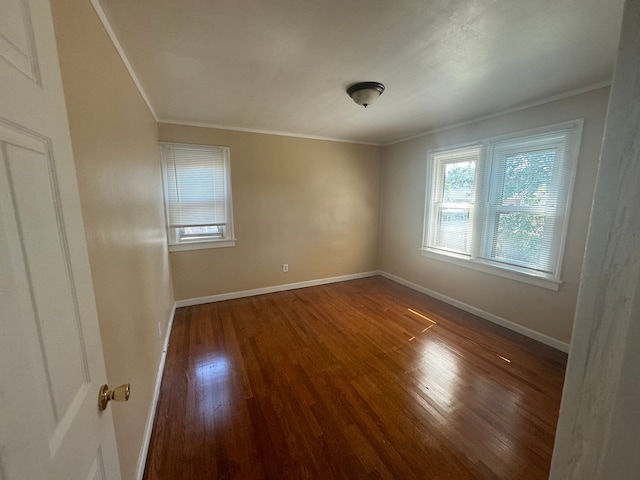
column 505, row 201
column 197, row 192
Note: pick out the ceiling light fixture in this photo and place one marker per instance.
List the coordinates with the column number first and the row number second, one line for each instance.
column 365, row 93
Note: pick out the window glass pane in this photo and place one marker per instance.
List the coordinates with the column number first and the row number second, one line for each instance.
column 454, row 229
column 193, row 233
column 458, row 182
column 451, row 214
column 520, row 239
column 527, row 178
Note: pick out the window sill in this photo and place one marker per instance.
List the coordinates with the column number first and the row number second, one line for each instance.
column 179, row 247
column 539, row 281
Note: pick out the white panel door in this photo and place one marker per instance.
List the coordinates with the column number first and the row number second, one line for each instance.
column 51, row 363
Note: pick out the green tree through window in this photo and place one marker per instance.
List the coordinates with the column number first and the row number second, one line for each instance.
column 527, row 181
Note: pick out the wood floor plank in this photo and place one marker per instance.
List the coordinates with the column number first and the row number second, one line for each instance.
column 359, row 379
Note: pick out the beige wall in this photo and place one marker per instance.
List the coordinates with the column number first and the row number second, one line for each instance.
column 403, row 195
column 310, row 203
column 114, row 139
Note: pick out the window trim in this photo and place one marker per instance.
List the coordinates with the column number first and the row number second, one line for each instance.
column 229, row 240
column 479, row 258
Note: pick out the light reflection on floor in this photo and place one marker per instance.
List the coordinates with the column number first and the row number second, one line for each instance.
column 440, row 381
column 439, row 374
column 213, row 396
column 212, row 369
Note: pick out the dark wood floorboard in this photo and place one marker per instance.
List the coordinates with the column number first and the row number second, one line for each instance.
column 360, row 379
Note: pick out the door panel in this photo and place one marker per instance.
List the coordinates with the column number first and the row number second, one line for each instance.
column 17, row 39
column 52, row 303
column 51, row 363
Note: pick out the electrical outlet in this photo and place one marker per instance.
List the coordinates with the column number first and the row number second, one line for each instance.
column 159, row 330
column 285, row 267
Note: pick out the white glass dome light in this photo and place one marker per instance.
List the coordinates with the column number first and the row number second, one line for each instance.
column 365, row 93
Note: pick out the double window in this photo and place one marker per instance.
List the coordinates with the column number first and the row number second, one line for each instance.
column 197, row 188
column 502, row 204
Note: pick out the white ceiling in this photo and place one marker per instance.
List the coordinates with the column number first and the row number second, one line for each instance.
column 284, row 65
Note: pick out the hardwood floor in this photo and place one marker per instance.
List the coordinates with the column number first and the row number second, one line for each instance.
column 360, row 379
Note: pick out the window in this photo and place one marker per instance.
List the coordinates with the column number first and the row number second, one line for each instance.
column 502, row 205
column 197, row 190
column 453, row 199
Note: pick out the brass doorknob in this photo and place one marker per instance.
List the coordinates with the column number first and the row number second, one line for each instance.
column 118, row 394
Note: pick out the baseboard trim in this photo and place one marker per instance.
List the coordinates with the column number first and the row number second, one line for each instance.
column 142, row 459
column 276, row 288
column 527, row 332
